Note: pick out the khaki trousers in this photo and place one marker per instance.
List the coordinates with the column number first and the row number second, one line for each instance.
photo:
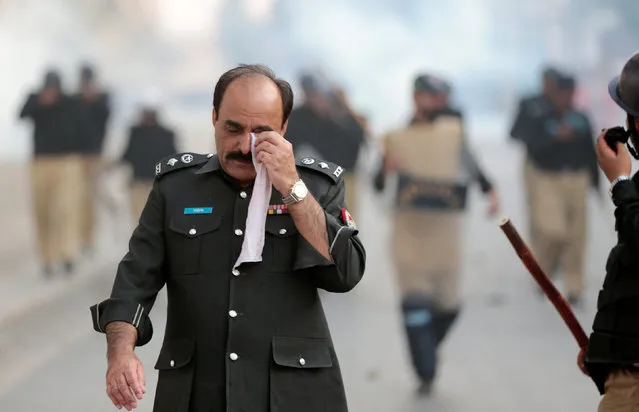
column 140, row 190
column 622, row 392
column 427, row 252
column 559, row 216
column 57, row 189
column 350, row 182
column 529, row 180
column 90, row 168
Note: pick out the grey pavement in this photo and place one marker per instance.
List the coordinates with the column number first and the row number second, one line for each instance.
column 509, row 351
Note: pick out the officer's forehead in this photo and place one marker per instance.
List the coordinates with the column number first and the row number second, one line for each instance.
column 252, row 95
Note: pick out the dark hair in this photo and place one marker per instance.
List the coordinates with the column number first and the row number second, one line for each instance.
column 246, row 70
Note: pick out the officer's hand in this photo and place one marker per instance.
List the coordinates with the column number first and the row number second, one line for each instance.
column 276, row 154
column 581, row 361
column 125, row 377
column 613, row 164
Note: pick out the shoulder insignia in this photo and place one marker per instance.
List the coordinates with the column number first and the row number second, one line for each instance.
column 328, row 169
column 179, row 161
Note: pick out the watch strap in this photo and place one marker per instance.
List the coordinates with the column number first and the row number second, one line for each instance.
column 617, row 180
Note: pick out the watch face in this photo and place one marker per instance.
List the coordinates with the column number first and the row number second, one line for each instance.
column 300, row 191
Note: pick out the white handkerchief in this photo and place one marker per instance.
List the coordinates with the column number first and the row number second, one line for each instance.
column 257, row 211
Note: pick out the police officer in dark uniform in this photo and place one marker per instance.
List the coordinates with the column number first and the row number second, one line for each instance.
column 149, row 141
column 56, row 173
column 251, row 338
column 612, row 358
column 93, row 112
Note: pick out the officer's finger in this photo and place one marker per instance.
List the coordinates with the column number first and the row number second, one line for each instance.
column 141, row 377
column 133, row 381
column 116, row 395
column 125, row 390
column 111, row 395
column 269, row 136
column 265, row 146
column 264, row 158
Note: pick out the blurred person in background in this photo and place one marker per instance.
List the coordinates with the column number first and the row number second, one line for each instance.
column 612, row 356
column 560, row 145
column 148, row 141
column 434, row 167
column 528, row 110
column 250, row 335
column 93, row 114
column 56, row 174
column 326, row 126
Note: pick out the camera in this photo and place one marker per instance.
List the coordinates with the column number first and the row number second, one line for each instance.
column 618, row 134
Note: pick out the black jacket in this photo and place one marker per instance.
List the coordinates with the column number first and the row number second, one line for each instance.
column 92, row 118
column 268, row 314
column 147, row 145
column 614, row 342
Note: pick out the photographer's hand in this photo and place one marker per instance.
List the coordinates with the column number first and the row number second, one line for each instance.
column 613, row 164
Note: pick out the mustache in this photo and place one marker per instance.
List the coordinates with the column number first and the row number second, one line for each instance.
column 240, row 156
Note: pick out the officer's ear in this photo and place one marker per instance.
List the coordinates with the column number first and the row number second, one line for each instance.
column 214, row 116
column 284, row 128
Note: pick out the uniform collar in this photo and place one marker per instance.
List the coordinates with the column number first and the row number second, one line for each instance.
column 212, row 165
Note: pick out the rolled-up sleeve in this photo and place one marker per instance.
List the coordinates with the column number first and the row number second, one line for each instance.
column 346, row 269
column 140, row 275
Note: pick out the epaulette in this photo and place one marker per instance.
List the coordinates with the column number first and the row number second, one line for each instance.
column 328, row 169
column 179, row 161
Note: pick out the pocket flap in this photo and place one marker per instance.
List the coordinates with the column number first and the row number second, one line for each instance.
column 280, row 226
column 301, row 352
column 195, row 225
column 175, row 353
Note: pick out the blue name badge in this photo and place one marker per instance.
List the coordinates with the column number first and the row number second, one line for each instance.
column 198, row 210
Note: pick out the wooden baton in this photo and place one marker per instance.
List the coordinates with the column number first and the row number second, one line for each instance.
column 544, row 282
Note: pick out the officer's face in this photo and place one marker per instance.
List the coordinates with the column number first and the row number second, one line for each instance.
column 250, row 105
column 429, row 102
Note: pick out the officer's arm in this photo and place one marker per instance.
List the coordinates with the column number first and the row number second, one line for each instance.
column 103, row 109
column 474, row 170
column 30, row 107
column 138, row 280
column 348, row 258
column 591, row 155
column 518, row 126
column 626, row 197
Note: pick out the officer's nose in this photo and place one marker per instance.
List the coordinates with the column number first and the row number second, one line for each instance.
column 245, row 143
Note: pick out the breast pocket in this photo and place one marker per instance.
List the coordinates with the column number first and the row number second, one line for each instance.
column 281, row 243
column 185, row 242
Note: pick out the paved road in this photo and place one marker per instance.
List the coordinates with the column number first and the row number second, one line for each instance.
column 508, row 352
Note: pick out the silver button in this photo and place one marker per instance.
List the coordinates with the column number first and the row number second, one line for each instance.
column 239, row 232
column 172, row 363
column 302, row 361
column 243, row 195
column 235, row 272
column 232, row 313
column 282, row 231
column 192, row 232
column 233, row 356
